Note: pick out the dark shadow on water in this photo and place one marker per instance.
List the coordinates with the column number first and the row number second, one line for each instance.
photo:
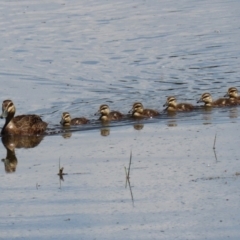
column 10, row 142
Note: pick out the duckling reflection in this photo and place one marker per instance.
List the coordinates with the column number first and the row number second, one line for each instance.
column 10, row 142
column 105, row 132
column 66, row 131
column 233, row 112
column 172, row 114
column 207, row 116
column 138, row 126
column 172, row 123
column 66, row 134
column 172, row 120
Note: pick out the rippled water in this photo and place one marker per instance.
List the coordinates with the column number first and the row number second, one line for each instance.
column 73, row 56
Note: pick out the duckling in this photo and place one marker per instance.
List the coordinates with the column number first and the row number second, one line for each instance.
column 172, row 105
column 67, row 121
column 138, row 111
column 208, row 101
column 22, row 124
column 107, row 115
column 233, row 95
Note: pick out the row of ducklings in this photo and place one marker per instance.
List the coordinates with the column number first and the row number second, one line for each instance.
column 33, row 124
column 138, row 111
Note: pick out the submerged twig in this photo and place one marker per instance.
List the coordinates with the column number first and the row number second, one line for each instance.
column 127, row 172
column 214, row 141
column 126, row 176
column 60, row 173
column 215, row 154
column 130, row 161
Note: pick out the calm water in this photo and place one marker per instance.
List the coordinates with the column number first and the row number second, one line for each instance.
column 73, row 56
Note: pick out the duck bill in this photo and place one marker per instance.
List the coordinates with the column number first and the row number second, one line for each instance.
column 165, row 109
column 97, row 113
column 130, row 111
column 226, row 95
column 4, row 114
column 200, row 100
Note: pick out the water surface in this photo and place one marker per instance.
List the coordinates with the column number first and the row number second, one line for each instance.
column 74, row 56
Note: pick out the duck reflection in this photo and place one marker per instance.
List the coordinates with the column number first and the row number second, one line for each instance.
column 67, row 135
column 105, row 129
column 66, row 132
column 10, row 162
column 207, row 115
column 233, row 112
column 10, row 142
column 172, row 123
column 172, row 119
column 171, row 114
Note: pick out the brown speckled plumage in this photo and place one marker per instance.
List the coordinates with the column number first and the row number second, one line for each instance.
column 206, row 98
column 172, row 105
column 233, row 95
column 67, row 121
column 138, row 111
column 22, row 124
column 107, row 115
